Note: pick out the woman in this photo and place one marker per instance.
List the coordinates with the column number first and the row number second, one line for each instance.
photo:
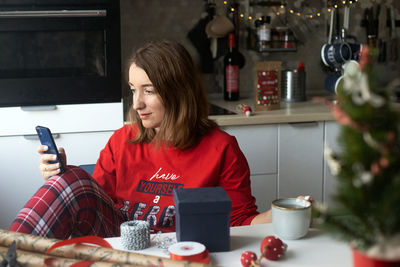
column 169, row 144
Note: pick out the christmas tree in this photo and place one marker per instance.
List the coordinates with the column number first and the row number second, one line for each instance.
column 366, row 210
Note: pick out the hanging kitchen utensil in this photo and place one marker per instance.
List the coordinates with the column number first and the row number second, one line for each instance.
column 382, row 33
column 393, row 48
column 371, row 30
column 197, row 35
column 337, row 23
column 331, row 26
column 219, row 27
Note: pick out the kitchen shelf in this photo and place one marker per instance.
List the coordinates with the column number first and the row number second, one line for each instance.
column 277, row 45
column 276, row 49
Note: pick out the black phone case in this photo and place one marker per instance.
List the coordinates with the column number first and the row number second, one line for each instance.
column 46, row 138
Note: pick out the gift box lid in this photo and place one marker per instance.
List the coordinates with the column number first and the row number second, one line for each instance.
column 202, row 200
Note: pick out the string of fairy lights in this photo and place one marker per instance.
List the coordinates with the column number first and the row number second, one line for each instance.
column 283, row 9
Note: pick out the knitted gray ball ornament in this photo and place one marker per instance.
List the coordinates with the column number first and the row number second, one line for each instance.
column 135, row 235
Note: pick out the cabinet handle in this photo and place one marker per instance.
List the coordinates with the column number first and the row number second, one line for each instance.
column 39, row 108
column 31, row 137
column 52, row 13
column 36, row 137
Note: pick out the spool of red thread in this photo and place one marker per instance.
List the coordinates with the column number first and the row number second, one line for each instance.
column 189, row 251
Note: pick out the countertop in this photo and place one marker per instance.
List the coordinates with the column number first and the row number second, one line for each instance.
column 289, row 112
column 307, row 111
column 315, row 249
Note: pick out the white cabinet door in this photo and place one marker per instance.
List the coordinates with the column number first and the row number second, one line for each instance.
column 19, row 175
column 19, row 166
column 300, row 159
column 263, row 188
column 61, row 118
column 331, row 134
column 259, row 145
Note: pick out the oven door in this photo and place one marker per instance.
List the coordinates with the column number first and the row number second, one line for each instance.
column 59, row 57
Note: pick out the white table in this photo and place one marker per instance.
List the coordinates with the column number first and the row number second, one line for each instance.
column 315, row 249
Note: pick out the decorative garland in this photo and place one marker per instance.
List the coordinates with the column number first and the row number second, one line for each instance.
column 281, row 7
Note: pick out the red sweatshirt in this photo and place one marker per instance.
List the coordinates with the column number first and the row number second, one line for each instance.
column 140, row 178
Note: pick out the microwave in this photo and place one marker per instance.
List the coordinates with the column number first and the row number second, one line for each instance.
column 59, row 52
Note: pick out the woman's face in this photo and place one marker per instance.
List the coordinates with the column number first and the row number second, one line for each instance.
column 146, row 101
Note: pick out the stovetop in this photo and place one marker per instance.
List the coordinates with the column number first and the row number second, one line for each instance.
column 216, row 110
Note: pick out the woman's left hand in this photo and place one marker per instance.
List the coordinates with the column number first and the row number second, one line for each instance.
column 307, row 198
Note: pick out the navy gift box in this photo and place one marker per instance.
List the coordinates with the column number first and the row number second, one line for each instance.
column 202, row 215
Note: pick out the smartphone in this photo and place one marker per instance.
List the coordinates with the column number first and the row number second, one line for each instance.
column 46, row 138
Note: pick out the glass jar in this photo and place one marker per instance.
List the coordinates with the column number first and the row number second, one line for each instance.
column 264, row 34
column 275, row 39
column 288, row 40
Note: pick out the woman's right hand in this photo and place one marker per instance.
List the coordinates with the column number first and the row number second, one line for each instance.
column 47, row 169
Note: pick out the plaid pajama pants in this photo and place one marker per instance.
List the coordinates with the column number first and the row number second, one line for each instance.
column 69, row 205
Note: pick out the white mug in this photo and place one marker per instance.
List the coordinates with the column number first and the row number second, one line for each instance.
column 291, row 217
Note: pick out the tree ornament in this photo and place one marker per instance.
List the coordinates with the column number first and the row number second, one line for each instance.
column 375, row 168
column 356, row 83
column 371, row 141
column 384, row 162
column 391, row 137
column 272, row 248
column 248, row 259
column 334, row 165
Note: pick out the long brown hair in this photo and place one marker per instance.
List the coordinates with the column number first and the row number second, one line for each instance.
column 171, row 69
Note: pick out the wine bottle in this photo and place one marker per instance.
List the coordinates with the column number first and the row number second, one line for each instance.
column 231, row 71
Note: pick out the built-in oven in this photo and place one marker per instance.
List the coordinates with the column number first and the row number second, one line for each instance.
column 59, row 52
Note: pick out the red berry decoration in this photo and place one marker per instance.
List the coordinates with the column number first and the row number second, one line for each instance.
column 247, row 258
column 272, row 248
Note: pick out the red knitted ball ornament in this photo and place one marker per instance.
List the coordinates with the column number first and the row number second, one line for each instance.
column 247, row 257
column 272, row 248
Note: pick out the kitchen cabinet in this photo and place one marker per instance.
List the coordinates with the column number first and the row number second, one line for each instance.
column 77, row 128
column 331, row 134
column 20, row 176
column 303, row 130
column 300, row 159
column 287, row 159
column 263, row 187
column 259, row 145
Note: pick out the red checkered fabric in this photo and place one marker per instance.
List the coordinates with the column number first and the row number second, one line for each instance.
column 69, row 205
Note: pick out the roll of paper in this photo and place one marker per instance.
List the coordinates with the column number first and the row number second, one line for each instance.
column 40, row 245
